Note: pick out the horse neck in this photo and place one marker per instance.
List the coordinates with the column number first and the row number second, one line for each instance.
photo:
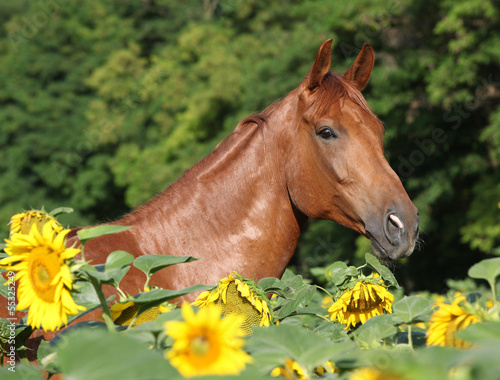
column 236, row 199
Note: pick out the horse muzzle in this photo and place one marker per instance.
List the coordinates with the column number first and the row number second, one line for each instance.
column 396, row 236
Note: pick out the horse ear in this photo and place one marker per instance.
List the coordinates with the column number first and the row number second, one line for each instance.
column 320, row 66
column 359, row 73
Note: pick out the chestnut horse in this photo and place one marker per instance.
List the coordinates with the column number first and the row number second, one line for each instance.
column 317, row 153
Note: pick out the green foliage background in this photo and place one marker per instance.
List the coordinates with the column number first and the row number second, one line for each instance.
column 105, row 103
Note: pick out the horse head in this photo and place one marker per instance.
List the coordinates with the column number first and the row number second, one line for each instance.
column 335, row 164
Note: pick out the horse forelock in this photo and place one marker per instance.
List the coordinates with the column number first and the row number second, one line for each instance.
column 335, row 88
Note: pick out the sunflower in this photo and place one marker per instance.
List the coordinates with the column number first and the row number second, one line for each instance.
column 40, row 263
column 361, row 303
column 446, row 321
column 205, row 344
column 21, row 223
column 235, row 294
column 291, row 370
column 124, row 313
column 370, row 373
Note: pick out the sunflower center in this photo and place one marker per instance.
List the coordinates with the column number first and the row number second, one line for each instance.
column 365, row 303
column 43, row 274
column 31, row 218
column 43, row 267
column 200, row 345
column 238, row 304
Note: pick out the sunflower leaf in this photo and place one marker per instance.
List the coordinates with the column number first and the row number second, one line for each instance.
column 488, row 270
column 411, row 309
column 118, row 259
column 61, row 210
column 116, row 267
column 271, row 346
column 97, row 354
column 381, row 269
column 47, row 358
column 156, row 297
column 338, row 272
column 87, row 234
column 150, row 264
column 273, row 285
column 481, row 332
column 22, row 371
column 375, row 329
column 84, row 294
column 302, row 298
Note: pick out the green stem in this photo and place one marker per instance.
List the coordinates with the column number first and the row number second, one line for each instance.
column 122, row 293
column 132, row 321
column 106, row 314
column 326, row 291
column 493, row 291
column 82, row 253
column 410, row 339
column 147, row 281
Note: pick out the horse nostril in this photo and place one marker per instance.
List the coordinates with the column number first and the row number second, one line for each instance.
column 396, row 221
column 393, row 229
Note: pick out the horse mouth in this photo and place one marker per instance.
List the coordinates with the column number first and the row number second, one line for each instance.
column 379, row 251
column 384, row 254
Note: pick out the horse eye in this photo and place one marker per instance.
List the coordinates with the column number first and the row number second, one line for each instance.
column 327, row 133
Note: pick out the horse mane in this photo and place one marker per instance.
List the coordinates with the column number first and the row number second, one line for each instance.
column 204, row 168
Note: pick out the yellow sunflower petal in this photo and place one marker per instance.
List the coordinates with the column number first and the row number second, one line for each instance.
column 204, row 344
column 362, row 302
column 44, row 277
column 446, row 320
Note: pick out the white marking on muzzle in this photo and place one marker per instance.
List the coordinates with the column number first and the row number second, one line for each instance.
column 396, row 220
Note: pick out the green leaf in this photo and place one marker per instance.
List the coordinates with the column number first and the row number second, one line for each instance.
column 481, row 332
column 338, row 272
column 376, row 329
column 61, row 210
column 155, row 297
column 488, row 270
column 273, row 285
column 150, row 264
column 334, row 331
column 118, row 259
column 302, row 297
column 85, row 295
column 99, row 355
column 294, row 292
column 116, row 267
column 269, row 283
column 47, row 358
column 23, row 371
column 87, row 234
column 272, row 345
column 351, row 271
column 381, row 269
column 411, row 309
